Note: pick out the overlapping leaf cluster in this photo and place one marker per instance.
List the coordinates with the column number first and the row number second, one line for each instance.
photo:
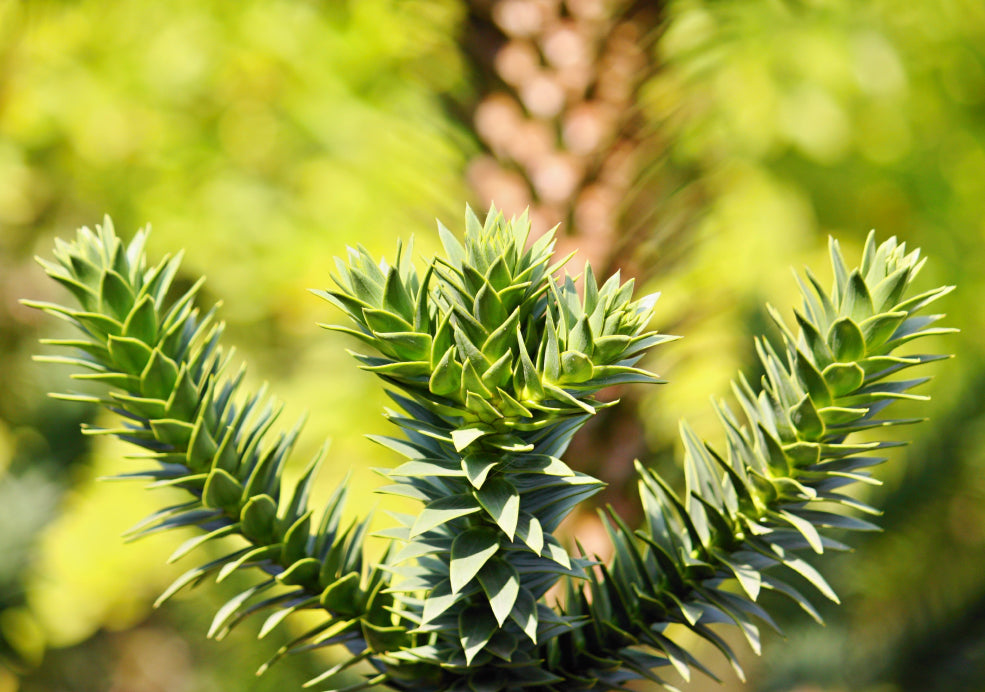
column 487, row 339
column 203, row 434
column 745, row 516
column 493, row 364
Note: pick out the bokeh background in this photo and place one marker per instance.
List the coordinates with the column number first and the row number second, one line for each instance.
column 704, row 146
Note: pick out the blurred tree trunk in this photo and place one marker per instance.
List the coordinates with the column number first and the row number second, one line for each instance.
column 560, row 114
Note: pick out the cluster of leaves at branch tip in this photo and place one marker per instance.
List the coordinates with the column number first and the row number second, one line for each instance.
column 487, row 338
column 493, row 364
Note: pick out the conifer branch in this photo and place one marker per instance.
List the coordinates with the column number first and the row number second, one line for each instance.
column 162, row 359
column 747, row 515
column 494, row 364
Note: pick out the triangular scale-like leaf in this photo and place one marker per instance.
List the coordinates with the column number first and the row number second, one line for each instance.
column 404, row 490
column 440, row 599
column 383, row 637
column 691, row 612
column 525, row 614
column 472, row 381
column 257, row 518
column 551, row 350
column 115, row 295
column 303, row 572
column 142, row 321
column 302, row 487
column 566, row 398
column 423, row 318
column 857, row 303
column 419, row 548
column 541, row 464
column 553, row 510
column 195, row 575
column 195, row 541
column 503, row 645
column 629, row 562
column 222, row 491
column 749, row 578
column 338, row 668
column 719, row 643
column 918, row 302
column 263, row 555
column 774, row 584
column 580, row 338
column 477, row 467
column 837, row 521
column 159, row 376
column 300, row 642
column 631, row 661
column 879, row 328
column 193, row 517
column 680, row 659
column 296, row 539
column 739, row 619
column 469, row 552
column 576, row 367
column 499, row 374
column 229, row 609
column 408, row 346
column 805, row 570
column 838, row 415
column 129, row 354
column 480, row 406
column 165, row 513
column 343, row 595
column 175, row 433
column 526, row 380
column 453, row 248
column 143, row 407
column 502, row 502
column 844, row 378
column 488, row 308
column 502, row 337
column 396, row 298
column 476, row 626
column 812, row 380
column 529, row 530
column 815, row 341
column 870, row 257
column 384, row 321
column 443, row 510
column 556, row 552
column 446, row 377
column 846, row 340
column 279, row 615
column 806, row 419
column 463, row 437
column 403, row 447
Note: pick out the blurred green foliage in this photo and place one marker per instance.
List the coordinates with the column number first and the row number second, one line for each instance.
column 263, row 136
column 828, row 117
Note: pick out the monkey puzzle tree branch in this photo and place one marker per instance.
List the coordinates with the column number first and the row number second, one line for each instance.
column 494, row 364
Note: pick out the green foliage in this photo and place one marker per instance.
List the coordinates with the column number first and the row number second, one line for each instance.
column 494, row 364
column 203, row 434
column 704, row 557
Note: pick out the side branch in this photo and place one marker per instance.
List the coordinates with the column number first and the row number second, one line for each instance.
column 704, row 558
column 164, row 365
